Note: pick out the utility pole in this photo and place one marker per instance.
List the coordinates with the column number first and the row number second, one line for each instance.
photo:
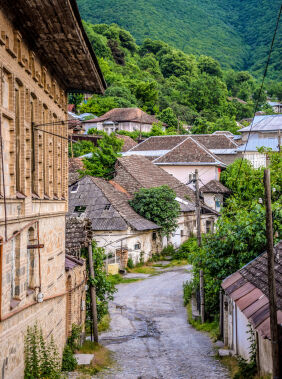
column 178, row 125
column 271, row 277
column 199, row 238
column 93, row 293
column 279, row 140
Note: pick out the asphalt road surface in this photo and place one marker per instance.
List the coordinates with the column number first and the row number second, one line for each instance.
column 150, row 336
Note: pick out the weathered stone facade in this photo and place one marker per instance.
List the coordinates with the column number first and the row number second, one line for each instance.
column 33, row 186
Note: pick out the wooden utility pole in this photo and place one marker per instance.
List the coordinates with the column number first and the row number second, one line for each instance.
column 93, row 293
column 199, row 238
column 271, row 277
column 178, row 125
column 279, row 140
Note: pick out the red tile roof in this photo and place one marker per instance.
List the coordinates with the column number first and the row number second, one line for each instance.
column 248, row 287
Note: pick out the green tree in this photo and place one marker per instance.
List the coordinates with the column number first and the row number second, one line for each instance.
column 209, row 66
column 75, row 98
column 103, row 158
column 168, row 117
column 99, row 105
column 158, row 204
column 80, row 148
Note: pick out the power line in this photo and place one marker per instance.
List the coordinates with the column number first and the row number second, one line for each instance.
column 261, row 87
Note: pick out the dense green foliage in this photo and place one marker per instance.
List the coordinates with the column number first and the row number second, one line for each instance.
column 240, row 231
column 79, row 148
column 41, row 358
column 167, row 82
column 236, row 33
column 104, row 156
column 105, row 289
column 158, row 204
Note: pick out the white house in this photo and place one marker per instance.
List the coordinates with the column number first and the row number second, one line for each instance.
column 127, row 119
column 246, row 306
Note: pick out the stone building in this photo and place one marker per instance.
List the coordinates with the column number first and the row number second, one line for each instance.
column 40, row 61
column 115, row 224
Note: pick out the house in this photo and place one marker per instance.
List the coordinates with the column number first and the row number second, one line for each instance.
column 189, row 155
column 264, row 131
column 213, row 193
column 181, row 155
column 115, row 225
column 135, row 172
column 127, row 119
column 276, row 106
column 40, row 61
column 246, row 303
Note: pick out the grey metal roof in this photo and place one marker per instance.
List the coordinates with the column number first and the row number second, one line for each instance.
column 106, row 207
column 256, row 141
column 266, row 123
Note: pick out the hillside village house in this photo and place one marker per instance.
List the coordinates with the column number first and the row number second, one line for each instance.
column 127, row 119
column 115, row 225
column 180, row 156
column 135, row 172
column 264, row 131
column 276, row 106
column 39, row 62
column 246, row 304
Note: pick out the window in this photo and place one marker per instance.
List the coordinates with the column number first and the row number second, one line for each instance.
column 107, row 207
column 181, row 233
column 154, row 236
column 80, row 209
column 74, row 188
column 18, row 139
column 137, row 246
column 31, row 259
column 217, row 203
column 209, row 226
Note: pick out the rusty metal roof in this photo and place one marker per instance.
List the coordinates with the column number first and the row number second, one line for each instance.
column 248, row 287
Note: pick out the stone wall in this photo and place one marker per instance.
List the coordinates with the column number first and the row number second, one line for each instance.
column 78, row 234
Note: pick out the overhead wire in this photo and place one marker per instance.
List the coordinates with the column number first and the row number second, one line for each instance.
column 262, row 83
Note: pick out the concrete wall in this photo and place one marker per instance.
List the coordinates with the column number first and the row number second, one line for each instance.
column 212, row 199
column 256, row 159
column 206, row 173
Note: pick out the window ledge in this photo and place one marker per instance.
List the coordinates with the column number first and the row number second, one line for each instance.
column 14, row 303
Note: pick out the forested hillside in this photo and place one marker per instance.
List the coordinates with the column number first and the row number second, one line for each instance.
column 235, row 32
column 165, row 81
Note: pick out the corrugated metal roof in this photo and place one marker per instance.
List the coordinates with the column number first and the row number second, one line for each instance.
column 256, row 141
column 264, row 123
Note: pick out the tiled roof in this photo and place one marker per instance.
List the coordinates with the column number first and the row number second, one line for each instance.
column 166, row 143
column 248, row 287
column 214, row 186
column 189, row 152
column 75, row 164
column 135, row 172
column 106, row 207
column 55, row 32
column 126, row 114
column 128, row 142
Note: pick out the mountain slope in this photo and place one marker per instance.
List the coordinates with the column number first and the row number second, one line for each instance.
column 237, row 32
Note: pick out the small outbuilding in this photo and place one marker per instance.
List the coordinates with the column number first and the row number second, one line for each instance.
column 246, row 305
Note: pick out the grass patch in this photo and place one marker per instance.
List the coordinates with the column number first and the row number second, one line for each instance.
column 142, row 270
column 231, row 363
column 210, row 327
column 117, row 279
column 176, row 262
column 104, row 324
column 102, row 358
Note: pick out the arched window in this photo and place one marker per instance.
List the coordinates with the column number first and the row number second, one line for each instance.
column 31, row 259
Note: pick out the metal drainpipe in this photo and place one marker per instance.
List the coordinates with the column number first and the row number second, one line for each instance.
column 236, row 327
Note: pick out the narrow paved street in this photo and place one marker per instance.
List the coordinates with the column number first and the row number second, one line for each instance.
column 150, row 334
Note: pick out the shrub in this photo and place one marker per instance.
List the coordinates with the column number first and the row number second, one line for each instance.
column 69, row 363
column 130, row 263
column 188, row 289
column 168, row 250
